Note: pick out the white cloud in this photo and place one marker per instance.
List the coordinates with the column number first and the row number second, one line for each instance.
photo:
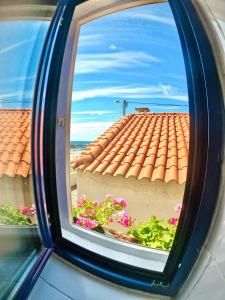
column 112, row 47
column 81, row 119
column 88, row 83
column 20, row 95
column 92, row 112
column 164, row 107
column 17, row 79
column 151, row 17
column 131, row 92
column 87, row 131
column 92, row 63
column 15, row 45
column 89, row 39
column 166, row 89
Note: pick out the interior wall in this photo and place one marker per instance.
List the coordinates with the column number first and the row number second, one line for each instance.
column 207, row 280
column 61, row 280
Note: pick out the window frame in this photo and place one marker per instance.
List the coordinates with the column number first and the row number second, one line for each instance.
column 31, row 10
column 203, row 176
column 109, row 247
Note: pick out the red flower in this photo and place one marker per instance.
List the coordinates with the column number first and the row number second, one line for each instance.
column 173, row 221
column 25, row 211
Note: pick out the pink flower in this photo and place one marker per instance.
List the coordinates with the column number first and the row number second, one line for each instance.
column 109, row 196
column 173, row 221
column 120, row 201
column 82, row 201
column 32, row 210
column 123, row 218
column 97, row 203
column 79, row 220
column 178, row 207
column 87, row 223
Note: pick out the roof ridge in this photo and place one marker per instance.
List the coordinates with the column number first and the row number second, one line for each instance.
column 16, row 109
column 158, row 113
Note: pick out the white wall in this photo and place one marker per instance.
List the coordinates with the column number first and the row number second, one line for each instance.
column 16, row 190
column 73, row 178
column 59, row 280
column 144, row 198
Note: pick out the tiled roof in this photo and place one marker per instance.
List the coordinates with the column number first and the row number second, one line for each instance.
column 15, row 142
column 149, row 145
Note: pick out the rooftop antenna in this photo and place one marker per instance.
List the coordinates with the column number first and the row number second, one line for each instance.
column 125, row 103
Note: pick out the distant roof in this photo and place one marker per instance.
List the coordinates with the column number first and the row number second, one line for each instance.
column 15, row 142
column 149, row 145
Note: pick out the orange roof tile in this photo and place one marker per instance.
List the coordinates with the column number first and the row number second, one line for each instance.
column 148, row 145
column 15, row 135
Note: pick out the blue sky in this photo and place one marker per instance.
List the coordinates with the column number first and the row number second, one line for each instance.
column 133, row 54
column 20, row 48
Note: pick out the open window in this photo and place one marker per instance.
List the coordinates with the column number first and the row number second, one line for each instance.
column 23, row 29
column 113, row 176
column 129, row 135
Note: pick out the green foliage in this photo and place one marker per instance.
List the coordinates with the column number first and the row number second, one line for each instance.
column 155, row 233
column 101, row 213
column 96, row 214
column 10, row 215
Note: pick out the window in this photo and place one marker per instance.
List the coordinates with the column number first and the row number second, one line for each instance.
column 129, row 158
column 21, row 42
column 111, row 258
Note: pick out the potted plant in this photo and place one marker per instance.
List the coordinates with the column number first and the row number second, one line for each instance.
column 96, row 215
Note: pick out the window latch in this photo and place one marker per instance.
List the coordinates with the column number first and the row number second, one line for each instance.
column 61, row 122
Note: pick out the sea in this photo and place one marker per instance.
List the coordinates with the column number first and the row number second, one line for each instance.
column 78, row 145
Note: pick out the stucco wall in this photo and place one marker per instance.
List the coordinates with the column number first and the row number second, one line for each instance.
column 144, row 198
column 73, row 178
column 16, row 190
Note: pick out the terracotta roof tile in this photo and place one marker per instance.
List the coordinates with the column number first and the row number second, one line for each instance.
column 23, row 169
column 15, row 136
column 2, row 168
column 153, row 146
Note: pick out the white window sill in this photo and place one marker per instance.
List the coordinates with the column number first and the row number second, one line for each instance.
column 125, row 252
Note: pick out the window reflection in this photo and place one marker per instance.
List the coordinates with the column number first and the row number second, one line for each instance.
column 129, row 135
column 21, row 42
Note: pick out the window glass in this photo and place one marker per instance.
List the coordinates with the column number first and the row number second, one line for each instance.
column 129, row 131
column 21, row 41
